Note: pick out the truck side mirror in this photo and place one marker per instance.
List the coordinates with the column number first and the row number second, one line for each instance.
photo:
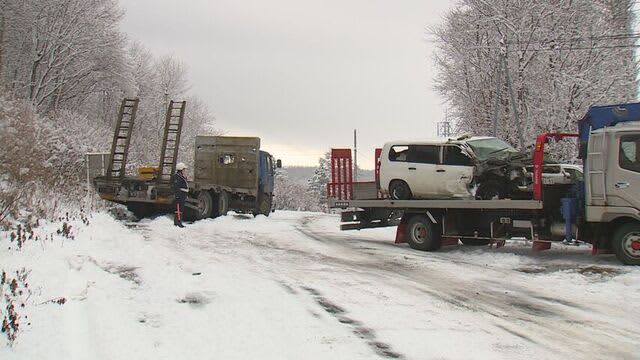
column 279, row 164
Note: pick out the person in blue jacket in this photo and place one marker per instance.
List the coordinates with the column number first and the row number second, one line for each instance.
column 180, row 191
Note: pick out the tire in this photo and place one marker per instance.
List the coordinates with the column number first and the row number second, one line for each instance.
column 399, row 190
column 264, row 205
column 422, row 234
column 205, row 205
column 490, row 190
column 140, row 210
column 475, row 242
column 626, row 243
column 222, row 204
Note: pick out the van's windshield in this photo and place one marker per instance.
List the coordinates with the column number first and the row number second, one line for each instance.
column 490, row 148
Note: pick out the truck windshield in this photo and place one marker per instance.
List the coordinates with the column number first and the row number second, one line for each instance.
column 490, row 147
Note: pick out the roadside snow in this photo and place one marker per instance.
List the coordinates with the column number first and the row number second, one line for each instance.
column 293, row 286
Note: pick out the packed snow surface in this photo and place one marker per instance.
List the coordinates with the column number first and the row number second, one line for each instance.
column 292, row 286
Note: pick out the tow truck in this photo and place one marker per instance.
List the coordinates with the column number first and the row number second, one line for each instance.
column 603, row 209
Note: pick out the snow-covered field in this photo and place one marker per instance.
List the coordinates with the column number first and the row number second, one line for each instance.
column 292, row 286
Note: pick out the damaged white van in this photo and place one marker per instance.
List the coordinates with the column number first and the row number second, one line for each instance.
column 465, row 167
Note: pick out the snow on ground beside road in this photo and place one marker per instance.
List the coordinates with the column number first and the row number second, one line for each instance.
column 135, row 296
column 293, row 286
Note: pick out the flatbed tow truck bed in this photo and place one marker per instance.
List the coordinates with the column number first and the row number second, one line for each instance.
column 436, row 204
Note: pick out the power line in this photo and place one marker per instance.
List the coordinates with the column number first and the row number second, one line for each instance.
column 554, row 49
column 596, row 38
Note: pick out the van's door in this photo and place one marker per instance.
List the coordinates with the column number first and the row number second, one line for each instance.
column 623, row 175
column 455, row 173
column 394, row 165
column 421, row 165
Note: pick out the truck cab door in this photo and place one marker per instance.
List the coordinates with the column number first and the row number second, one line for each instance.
column 623, row 180
column 266, row 172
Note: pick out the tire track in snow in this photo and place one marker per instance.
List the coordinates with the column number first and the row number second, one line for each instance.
column 358, row 328
column 548, row 322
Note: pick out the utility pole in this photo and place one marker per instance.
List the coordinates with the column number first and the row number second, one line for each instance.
column 514, row 109
column 355, row 155
column 503, row 67
column 443, row 128
column 496, row 112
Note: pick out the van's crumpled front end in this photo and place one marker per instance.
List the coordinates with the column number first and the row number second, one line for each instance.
column 499, row 171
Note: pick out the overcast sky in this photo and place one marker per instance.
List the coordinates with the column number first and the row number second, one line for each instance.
column 303, row 74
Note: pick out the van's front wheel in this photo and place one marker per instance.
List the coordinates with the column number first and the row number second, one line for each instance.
column 490, row 190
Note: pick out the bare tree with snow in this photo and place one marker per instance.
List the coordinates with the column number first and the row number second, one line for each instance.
column 560, row 57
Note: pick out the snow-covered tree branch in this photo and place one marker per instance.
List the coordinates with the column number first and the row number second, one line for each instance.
column 561, row 57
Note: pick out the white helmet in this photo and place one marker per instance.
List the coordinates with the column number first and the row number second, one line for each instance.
column 180, row 166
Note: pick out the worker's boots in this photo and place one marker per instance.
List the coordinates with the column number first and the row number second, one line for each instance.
column 177, row 222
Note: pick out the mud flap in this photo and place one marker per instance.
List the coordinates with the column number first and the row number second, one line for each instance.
column 401, row 233
column 540, row 245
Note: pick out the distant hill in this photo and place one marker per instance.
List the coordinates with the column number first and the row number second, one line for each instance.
column 302, row 174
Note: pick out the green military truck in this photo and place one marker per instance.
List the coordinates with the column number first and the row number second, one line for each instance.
column 230, row 173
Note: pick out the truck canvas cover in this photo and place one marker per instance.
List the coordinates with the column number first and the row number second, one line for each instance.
column 230, row 162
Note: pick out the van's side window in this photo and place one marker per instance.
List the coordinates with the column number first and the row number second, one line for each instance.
column 551, row 169
column 453, row 155
column 629, row 154
column 398, row 153
column 424, row 154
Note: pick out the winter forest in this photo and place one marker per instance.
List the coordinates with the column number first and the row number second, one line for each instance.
column 532, row 66
column 64, row 68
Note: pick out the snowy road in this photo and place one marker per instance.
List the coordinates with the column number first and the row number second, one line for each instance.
column 293, row 286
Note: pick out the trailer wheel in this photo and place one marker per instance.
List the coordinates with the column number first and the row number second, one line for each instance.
column 626, row 243
column 422, row 234
column 399, row 190
column 205, row 205
column 222, row 204
column 140, row 210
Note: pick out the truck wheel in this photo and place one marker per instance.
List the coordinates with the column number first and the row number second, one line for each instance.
column 264, row 205
column 490, row 190
column 626, row 243
column 140, row 210
column 222, row 204
column 422, row 234
column 205, row 205
column 399, row 190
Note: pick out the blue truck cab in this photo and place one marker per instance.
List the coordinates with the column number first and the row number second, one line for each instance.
column 266, row 173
